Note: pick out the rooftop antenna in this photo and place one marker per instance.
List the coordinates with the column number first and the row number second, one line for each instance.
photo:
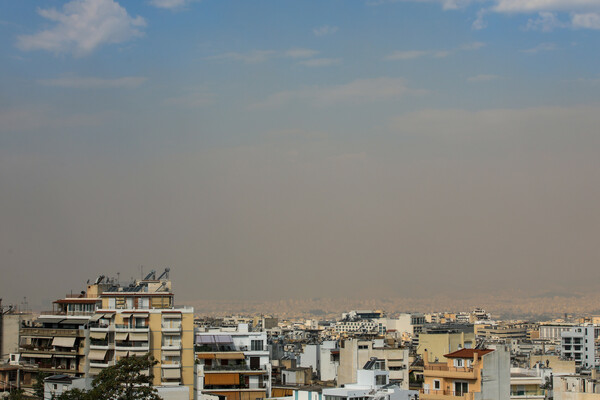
column 141, row 272
column 118, row 278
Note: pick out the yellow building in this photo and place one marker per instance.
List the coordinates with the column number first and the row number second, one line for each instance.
column 469, row 374
column 439, row 343
column 141, row 319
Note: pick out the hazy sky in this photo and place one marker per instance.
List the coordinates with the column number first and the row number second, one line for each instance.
column 272, row 149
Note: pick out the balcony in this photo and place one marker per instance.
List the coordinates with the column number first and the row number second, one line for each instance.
column 171, row 328
column 171, row 346
column 132, row 346
column 444, row 371
column 232, row 367
column 528, row 394
column 51, row 332
column 99, row 364
column 431, row 394
column 170, row 364
column 131, row 328
column 102, row 346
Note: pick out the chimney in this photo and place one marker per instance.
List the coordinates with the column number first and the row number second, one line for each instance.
column 425, row 358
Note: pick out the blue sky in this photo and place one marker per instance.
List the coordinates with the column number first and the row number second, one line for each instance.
column 273, row 136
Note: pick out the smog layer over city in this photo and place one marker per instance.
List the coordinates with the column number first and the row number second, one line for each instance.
column 267, row 187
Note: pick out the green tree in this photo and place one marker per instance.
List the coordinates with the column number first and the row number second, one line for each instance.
column 74, row 394
column 16, row 394
column 126, row 380
column 38, row 386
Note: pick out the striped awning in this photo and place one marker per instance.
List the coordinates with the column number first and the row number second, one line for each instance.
column 121, row 336
column 222, row 379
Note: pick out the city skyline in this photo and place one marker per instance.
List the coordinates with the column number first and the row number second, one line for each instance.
column 273, row 150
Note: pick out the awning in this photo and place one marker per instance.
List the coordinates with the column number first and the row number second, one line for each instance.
column 50, row 319
column 223, row 339
column 140, row 315
column 218, row 339
column 63, row 341
column 109, row 316
column 76, row 321
column 98, row 335
column 230, row 356
column 97, row 355
column 36, row 355
column 138, row 353
column 121, row 336
column 171, row 353
column 139, row 337
column 121, row 353
column 171, row 315
column 96, row 317
column 221, row 379
column 126, row 315
column 65, row 356
column 171, row 373
column 95, row 371
column 205, row 356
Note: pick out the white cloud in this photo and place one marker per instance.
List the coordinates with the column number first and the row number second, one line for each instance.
column 415, row 54
column 483, row 78
column 253, row 57
column 588, row 20
column 480, row 22
column 446, row 4
column 528, row 6
column 321, row 62
column 94, row 83
column 545, row 22
column 325, row 30
column 301, row 53
column 82, row 26
column 170, row 4
column 355, row 92
column 192, row 100
column 542, row 47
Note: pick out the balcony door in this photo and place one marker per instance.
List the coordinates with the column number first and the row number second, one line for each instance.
column 461, row 388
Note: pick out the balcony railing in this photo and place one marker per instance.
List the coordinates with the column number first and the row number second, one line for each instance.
column 231, row 367
column 442, row 394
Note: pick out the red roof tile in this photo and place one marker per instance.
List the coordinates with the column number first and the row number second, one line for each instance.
column 468, row 353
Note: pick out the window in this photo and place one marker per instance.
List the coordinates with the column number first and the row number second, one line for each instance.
column 460, row 388
column 436, row 384
column 458, row 362
column 256, row 345
column 120, row 302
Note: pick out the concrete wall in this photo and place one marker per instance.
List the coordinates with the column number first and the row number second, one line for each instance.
column 438, row 344
column 495, row 375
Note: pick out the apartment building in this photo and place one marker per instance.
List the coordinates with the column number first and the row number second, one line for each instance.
column 578, row 344
column 141, row 318
column 576, row 387
column 439, row 341
column 354, row 353
column 470, row 374
column 529, row 383
column 55, row 344
column 232, row 363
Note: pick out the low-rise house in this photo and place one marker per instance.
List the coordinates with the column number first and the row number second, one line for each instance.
column 470, row 374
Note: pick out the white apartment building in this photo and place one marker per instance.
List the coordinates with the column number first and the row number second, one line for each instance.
column 578, row 344
column 233, row 363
